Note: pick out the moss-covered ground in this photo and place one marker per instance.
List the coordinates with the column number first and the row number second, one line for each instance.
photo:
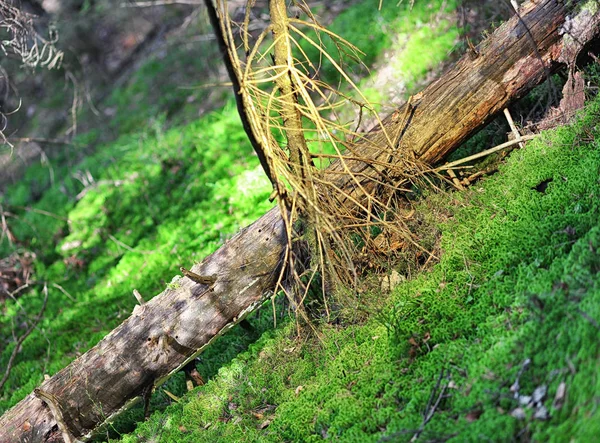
column 511, row 309
column 514, row 296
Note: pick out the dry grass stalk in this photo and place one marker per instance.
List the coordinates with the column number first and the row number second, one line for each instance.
column 293, row 121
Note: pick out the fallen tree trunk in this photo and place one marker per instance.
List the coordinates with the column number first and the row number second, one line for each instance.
column 164, row 334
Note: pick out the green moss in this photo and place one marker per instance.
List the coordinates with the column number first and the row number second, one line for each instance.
column 517, row 281
column 590, row 6
column 424, row 46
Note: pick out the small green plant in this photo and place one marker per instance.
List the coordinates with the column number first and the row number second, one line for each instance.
column 175, row 283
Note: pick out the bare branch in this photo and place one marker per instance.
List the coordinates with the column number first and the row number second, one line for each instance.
column 33, row 49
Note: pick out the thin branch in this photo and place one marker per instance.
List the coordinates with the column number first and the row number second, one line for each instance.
column 512, row 125
column 216, row 23
column 289, row 91
column 64, row 291
column 129, row 248
column 431, row 407
column 508, row 144
column 49, row 141
column 41, row 212
column 75, row 104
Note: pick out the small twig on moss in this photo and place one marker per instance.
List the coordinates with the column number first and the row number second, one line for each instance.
column 431, row 406
column 41, row 212
column 592, row 321
column 455, row 180
column 129, row 248
column 467, row 181
column 64, row 291
column 22, row 338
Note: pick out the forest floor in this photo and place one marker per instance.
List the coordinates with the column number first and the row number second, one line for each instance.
column 497, row 341
column 494, row 340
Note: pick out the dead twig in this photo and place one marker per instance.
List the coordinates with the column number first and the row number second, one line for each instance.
column 281, row 97
column 128, row 248
column 6, row 232
column 508, row 144
column 513, row 127
column 41, row 212
column 75, row 104
column 50, row 141
column 64, row 291
column 23, row 40
column 467, row 181
column 431, row 405
column 455, row 180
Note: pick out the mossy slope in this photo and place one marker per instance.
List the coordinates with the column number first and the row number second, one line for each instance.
column 517, row 282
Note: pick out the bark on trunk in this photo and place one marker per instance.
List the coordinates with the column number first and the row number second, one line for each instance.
column 161, row 336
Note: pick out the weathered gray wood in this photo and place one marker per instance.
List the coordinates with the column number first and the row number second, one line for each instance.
column 165, row 333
